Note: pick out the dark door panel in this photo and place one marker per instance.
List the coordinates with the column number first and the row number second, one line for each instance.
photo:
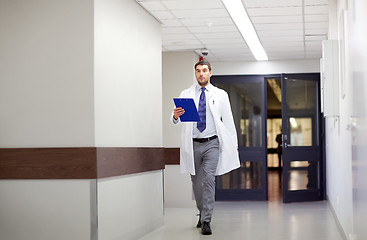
column 248, row 103
column 301, row 148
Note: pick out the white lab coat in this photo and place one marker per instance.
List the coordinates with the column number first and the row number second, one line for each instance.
column 220, row 108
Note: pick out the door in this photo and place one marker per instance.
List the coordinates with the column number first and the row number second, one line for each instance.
column 248, row 103
column 301, row 142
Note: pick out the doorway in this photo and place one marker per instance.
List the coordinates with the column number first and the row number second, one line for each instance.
column 265, row 109
column 274, row 137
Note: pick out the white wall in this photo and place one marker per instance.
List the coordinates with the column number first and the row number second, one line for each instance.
column 80, row 74
column 128, row 113
column 357, row 47
column 47, row 209
column 128, row 75
column 346, row 134
column 46, row 100
column 177, row 188
column 46, row 73
column 266, row 67
column 130, row 206
column 178, row 74
column 338, row 135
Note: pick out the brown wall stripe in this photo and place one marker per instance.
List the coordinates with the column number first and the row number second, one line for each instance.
column 78, row 163
column 122, row 161
column 172, row 156
column 48, row 163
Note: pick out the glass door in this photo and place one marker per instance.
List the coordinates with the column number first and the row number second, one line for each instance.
column 301, row 147
column 248, row 103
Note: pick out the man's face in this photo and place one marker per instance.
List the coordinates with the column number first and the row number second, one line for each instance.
column 203, row 75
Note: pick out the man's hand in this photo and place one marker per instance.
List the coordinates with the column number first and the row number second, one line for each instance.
column 177, row 112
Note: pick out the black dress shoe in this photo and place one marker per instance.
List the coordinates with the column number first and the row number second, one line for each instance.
column 199, row 222
column 205, row 228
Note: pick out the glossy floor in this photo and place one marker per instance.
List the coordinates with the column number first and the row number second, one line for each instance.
column 254, row 220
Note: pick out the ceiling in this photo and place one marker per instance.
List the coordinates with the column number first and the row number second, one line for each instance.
column 288, row 29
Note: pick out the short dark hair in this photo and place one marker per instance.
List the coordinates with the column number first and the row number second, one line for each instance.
column 203, row 62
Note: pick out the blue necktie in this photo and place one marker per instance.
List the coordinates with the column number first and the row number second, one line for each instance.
column 202, row 111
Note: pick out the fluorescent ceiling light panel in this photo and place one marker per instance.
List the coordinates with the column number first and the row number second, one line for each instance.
column 240, row 17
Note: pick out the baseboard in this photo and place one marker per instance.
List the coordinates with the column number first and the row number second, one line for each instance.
column 338, row 224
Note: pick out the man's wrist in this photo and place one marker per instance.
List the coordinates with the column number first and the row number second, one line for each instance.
column 174, row 120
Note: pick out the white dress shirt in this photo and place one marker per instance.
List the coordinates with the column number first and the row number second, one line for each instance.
column 210, row 130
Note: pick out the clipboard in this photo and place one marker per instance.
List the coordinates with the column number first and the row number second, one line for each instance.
column 191, row 114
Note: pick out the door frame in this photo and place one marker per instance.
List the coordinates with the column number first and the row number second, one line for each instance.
column 262, row 194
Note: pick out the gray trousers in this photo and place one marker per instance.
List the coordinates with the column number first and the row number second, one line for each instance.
column 206, row 157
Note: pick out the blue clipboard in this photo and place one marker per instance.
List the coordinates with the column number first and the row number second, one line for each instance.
column 191, row 114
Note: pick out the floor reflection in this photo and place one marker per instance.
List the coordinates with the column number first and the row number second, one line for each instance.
column 260, row 220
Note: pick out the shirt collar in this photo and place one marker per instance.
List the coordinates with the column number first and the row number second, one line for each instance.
column 208, row 87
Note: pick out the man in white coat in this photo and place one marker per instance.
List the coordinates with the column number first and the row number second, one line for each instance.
column 209, row 147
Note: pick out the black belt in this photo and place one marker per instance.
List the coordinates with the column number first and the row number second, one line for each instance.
column 202, row 140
